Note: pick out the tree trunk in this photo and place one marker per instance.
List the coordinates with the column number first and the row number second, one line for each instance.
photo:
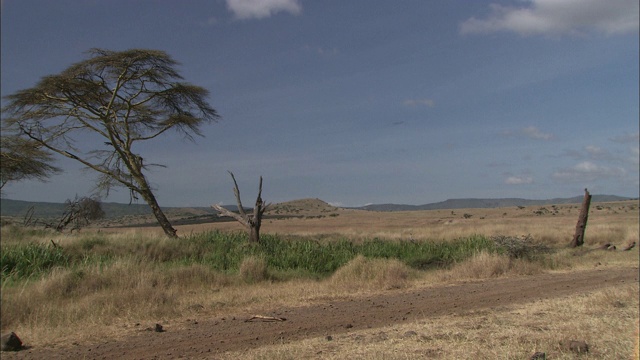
column 254, row 234
column 578, row 237
column 159, row 214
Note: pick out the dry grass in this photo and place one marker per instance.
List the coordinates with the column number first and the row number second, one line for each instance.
column 485, row 265
column 253, row 269
column 372, row 274
column 616, row 223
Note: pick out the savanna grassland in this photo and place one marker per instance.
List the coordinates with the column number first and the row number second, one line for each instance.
column 104, row 286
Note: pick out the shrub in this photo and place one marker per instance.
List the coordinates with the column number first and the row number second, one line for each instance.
column 364, row 273
column 487, row 265
column 482, row 265
column 520, row 247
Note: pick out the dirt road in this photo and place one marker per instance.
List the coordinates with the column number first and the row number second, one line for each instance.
column 205, row 338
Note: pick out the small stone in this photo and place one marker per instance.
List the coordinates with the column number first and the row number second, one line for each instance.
column 538, row 355
column 410, row 333
column 158, row 328
column 10, row 342
column 329, row 337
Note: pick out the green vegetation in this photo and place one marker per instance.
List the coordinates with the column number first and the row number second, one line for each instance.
column 24, row 261
column 225, row 252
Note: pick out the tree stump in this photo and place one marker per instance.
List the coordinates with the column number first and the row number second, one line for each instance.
column 578, row 237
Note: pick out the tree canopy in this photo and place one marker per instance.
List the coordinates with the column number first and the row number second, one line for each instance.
column 98, row 109
column 22, row 159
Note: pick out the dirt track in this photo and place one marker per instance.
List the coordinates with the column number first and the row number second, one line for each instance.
column 205, row 338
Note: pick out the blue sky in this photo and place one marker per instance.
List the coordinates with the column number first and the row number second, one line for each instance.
column 364, row 101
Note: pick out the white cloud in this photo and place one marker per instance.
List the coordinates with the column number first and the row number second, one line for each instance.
column 534, row 133
column 531, row 132
column 416, row 102
column 518, row 180
column 553, row 17
column 627, row 138
column 588, row 171
column 257, row 9
column 598, row 153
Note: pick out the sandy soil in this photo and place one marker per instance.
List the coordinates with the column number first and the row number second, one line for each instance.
column 204, row 338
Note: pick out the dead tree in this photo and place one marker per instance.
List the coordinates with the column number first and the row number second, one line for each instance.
column 79, row 212
column 251, row 221
column 578, row 237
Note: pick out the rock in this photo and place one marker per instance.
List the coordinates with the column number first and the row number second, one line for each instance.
column 612, row 248
column 10, row 342
column 577, row 346
column 329, row 337
column 538, row 355
column 410, row 333
column 159, row 328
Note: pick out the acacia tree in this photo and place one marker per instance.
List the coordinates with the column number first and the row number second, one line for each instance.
column 22, row 159
column 98, row 109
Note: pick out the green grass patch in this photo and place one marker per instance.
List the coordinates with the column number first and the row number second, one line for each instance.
column 225, row 252
column 27, row 260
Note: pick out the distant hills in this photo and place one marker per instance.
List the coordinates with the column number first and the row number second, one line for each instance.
column 16, row 208
column 488, row 203
column 10, row 207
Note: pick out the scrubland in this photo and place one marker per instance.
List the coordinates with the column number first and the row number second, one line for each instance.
column 60, row 289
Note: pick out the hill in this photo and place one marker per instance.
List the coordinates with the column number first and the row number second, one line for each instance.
column 487, row 203
column 304, row 207
column 301, row 207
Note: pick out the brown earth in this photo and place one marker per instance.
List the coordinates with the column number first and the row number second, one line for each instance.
column 205, row 338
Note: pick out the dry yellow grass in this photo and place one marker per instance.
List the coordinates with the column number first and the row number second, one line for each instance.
column 615, row 222
column 372, row 274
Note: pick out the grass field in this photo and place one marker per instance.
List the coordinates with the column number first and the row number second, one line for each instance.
column 87, row 285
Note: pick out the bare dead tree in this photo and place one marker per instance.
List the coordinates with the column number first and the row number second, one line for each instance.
column 79, row 212
column 578, row 237
column 251, row 221
column 28, row 217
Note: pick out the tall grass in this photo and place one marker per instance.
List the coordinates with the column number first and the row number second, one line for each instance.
column 226, row 251
column 24, row 261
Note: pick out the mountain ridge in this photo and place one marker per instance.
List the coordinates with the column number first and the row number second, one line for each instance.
column 9, row 207
column 471, row 203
